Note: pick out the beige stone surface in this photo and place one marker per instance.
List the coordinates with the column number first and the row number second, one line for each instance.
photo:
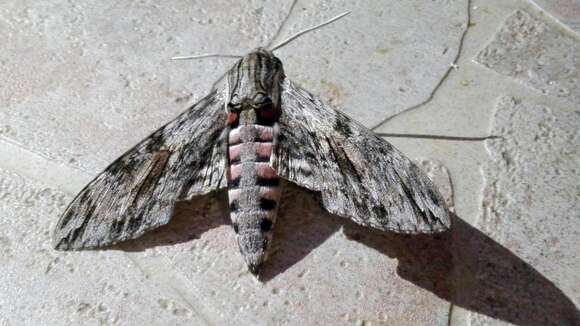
column 81, row 82
column 41, row 286
column 531, row 206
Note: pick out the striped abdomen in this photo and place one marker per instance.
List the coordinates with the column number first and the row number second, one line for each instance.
column 253, row 189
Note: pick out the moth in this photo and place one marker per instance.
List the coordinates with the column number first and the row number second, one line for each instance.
column 253, row 129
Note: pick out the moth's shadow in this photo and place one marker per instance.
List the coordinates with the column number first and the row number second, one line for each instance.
column 463, row 266
column 189, row 221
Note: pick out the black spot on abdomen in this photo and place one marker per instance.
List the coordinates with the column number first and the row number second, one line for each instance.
column 267, row 204
column 266, row 225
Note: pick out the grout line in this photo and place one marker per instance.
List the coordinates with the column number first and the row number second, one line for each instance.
column 40, row 168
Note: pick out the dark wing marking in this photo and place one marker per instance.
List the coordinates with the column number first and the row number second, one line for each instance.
column 360, row 175
column 137, row 192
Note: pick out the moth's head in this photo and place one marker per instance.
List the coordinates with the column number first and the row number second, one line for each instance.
column 254, row 84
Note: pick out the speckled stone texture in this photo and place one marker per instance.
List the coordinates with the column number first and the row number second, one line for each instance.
column 531, row 205
column 81, row 82
column 568, row 11
column 540, row 55
column 41, row 286
column 105, row 65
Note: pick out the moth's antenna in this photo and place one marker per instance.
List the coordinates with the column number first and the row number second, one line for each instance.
column 293, row 37
column 207, row 55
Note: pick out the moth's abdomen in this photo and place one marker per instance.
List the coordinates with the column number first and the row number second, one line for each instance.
column 253, row 190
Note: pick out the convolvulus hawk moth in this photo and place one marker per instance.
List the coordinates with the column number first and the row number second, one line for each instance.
column 254, row 128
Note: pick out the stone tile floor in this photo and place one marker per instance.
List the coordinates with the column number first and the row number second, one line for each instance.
column 82, row 82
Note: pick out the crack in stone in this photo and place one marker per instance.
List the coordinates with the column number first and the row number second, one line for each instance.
column 452, row 66
column 35, row 166
column 169, row 287
column 450, row 314
column 12, row 142
column 438, row 137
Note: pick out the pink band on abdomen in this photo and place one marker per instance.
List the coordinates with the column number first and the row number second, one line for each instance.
column 263, row 170
column 234, row 171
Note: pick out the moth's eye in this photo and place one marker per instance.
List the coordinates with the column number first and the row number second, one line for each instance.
column 262, row 101
column 235, row 107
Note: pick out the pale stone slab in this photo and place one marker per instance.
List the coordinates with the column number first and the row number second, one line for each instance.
column 83, row 82
column 531, row 207
column 40, row 286
column 567, row 11
column 103, row 83
column 190, row 272
column 317, row 274
column 384, row 58
column 538, row 54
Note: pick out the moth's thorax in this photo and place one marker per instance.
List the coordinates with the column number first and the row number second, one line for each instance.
column 254, row 83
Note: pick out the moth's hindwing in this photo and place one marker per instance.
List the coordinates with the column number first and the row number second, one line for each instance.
column 360, row 175
column 137, row 192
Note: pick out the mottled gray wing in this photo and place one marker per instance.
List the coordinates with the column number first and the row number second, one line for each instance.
column 360, row 175
column 137, row 192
